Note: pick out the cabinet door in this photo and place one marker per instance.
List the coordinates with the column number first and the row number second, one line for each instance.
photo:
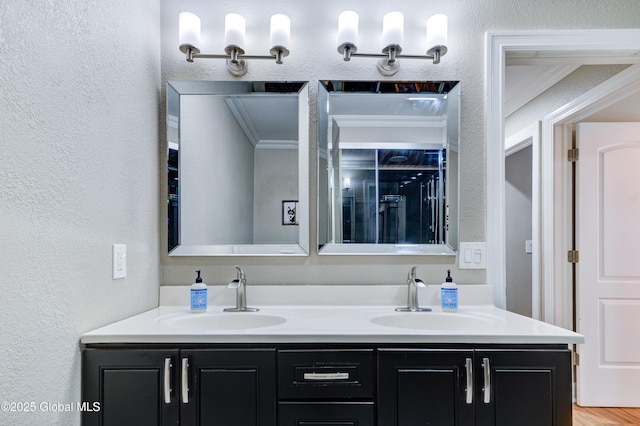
column 523, row 387
column 133, row 387
column 229, row 387
column 425, row 387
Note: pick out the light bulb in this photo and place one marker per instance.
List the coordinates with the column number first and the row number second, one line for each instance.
column 188, row 31
column 280, row 34
column 348, row 31
column 234, row 32
column 437, row 34
column 393, row 30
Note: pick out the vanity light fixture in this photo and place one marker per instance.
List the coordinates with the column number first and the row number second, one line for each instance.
column 234, row 40
column 346, row 184
column 392, row 38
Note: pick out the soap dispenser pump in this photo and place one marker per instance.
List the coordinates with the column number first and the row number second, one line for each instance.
column 449, row 294
column 198, row 295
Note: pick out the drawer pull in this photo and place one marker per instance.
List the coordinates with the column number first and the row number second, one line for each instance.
column 326, row 376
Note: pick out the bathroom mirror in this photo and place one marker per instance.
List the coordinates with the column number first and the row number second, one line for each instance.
column 237, row 168
column 388, row 167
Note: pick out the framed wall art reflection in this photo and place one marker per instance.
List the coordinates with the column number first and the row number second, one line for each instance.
column 289, row 216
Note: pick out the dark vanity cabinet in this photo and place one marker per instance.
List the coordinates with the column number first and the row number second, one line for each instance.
column 328, row 385
column 492, row 387
column 181, row 386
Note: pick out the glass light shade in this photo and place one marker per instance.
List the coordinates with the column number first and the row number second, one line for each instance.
column 347, row 29
column 234, row 32
column 280, row 33
column 392, row 29
column 437, row 32
column 188, row 30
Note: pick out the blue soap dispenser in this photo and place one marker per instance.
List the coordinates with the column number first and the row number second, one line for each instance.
column 198, row 296
column 449, row 294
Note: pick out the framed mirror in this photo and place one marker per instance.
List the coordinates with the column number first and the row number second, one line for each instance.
column 388, row 167
column 237, row 168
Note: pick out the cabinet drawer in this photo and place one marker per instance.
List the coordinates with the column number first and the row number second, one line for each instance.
column 326, row 374
column 326, row 414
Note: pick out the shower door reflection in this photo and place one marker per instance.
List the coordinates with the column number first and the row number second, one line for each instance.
column 390, row 196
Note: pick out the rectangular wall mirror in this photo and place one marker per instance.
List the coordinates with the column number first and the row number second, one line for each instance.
column 238, row 168
column 388, row 167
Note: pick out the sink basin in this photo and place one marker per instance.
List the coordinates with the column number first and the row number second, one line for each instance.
column 221, row 321
column 436, row 321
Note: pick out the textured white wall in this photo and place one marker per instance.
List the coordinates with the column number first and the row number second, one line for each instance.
column 79, row 96
column 313, row 57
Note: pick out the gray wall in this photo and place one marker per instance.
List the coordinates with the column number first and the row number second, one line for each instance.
column 276, row 180
column 216, row 189
column 566, row 90
column 518, row 221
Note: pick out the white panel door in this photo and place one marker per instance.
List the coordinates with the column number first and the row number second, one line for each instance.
column 608, row 273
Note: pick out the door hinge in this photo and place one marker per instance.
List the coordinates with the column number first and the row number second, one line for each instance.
column 573, row 155
column 576, row 359
column 573, row 256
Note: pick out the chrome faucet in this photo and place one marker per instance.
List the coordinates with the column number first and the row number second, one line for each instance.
column 413, row 283
column 240, row 284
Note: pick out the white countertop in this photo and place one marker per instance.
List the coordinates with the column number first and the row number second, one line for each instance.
column 332, row 318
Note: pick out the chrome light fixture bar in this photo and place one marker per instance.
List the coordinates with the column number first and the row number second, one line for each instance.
column 392, row 38
column 234, row 40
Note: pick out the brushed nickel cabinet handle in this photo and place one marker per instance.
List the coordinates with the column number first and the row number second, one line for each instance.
column 185, row 381
column 167, row 380
column 469, row 372
column 326, row 376
column 487, row 380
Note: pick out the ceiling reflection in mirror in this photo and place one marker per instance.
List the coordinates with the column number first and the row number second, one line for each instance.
column 388, row 167
column 237, row 158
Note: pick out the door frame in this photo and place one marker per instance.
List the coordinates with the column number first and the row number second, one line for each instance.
column 596, row 46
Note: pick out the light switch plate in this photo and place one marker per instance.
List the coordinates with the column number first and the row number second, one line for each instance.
column 472, row 255
column 119, row 261
column 528, row 246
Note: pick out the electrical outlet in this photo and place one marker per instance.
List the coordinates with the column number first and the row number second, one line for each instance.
column 472, row 256
column 119, row 261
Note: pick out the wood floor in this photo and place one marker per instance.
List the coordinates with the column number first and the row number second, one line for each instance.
column 593, row 416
